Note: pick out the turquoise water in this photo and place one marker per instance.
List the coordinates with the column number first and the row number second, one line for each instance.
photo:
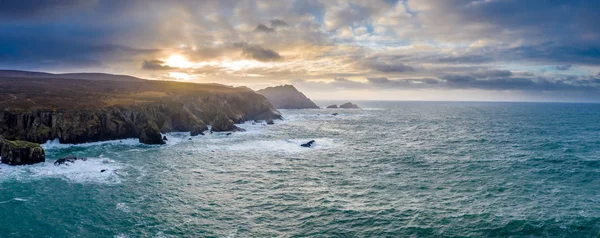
column 394, row 169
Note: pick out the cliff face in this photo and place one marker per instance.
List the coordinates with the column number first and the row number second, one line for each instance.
column 100, row 111
column 287, row 97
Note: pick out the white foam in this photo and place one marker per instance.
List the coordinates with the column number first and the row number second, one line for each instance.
column 285, row 146
column 55, row 144
column 15, row 199
column 78, row 172
column 123, row 207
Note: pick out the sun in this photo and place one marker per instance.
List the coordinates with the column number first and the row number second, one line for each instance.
column 178, row 61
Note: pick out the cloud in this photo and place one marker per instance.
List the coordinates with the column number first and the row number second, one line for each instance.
column 32, row 8
column 156, row 65
column 278, row 23
column 387, row 65
column 563, row 67
column 263, row 28
column 259, row 53
column 491, row 73
column 387, row 44
column 462, row 82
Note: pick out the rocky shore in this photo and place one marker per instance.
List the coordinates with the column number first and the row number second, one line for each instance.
column 78, row 111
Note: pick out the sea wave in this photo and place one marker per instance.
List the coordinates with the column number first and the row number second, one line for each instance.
column 88, row 171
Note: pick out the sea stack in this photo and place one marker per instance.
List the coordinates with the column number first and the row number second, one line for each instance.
column 349, row 105
column 20, row 152
column 287, row 97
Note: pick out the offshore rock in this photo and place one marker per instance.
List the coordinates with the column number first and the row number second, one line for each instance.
column 151, row 135
column 349, row 105
column 332, row 106
column 198, row 130
column 308, row 144
column 223, row 123
column 68, row 159
column 21, row 152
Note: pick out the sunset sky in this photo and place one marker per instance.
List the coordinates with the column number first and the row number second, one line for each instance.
column 533, row 50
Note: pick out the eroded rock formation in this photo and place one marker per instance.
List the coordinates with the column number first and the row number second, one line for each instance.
column 287, row 97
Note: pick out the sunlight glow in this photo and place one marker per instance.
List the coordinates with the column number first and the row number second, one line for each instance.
column 179, row 76
column 178, row 61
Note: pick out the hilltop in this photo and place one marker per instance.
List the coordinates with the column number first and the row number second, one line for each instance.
column 287, row 97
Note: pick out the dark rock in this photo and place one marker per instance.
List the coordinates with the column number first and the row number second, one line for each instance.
column 165, row 138
column 308, row 144
column 198, row 130
column 287, row 97
column 102, row 171
column 189, row 138
column 69, row 159
column 222, row 123
column 270, row 122
column 332, row 106
column 21, row 152
column 349, row 105
column 151, row 135
column 228, row 134
column 335, row 114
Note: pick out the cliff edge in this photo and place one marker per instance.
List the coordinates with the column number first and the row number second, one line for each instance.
column 78, row 111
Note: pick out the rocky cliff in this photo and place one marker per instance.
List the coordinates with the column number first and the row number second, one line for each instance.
column 78, row 111
column 287, row 97
column 20, row 152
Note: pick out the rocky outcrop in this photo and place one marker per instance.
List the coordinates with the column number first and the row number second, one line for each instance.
column 308, row 144
column 198, row 130
column 223, row 123
column 20, row 152
column 349, row 105
column 150, row 135
column 69, row 159
column 332, row 106
column 287, row 97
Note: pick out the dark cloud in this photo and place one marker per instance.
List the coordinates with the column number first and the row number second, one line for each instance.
column 465, row 82
column 259, row 53
column 518, row 83
column 554, row 53
column 156, row 65
column 387, row 65
column 563, row 67
column 471, row 59
column 278, row 23
column 491, row 73
column 263, row 28
column 39, row 53
column 32, row 8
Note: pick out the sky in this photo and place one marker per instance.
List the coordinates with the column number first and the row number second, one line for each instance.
column 464, row 50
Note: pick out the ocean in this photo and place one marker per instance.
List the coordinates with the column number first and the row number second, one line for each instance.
column 392, row 169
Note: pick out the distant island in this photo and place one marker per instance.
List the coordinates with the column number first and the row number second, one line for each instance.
column 287, row 97
column 347, row 105
column 79, row 108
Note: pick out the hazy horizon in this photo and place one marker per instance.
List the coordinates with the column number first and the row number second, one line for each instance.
column 459, row 50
